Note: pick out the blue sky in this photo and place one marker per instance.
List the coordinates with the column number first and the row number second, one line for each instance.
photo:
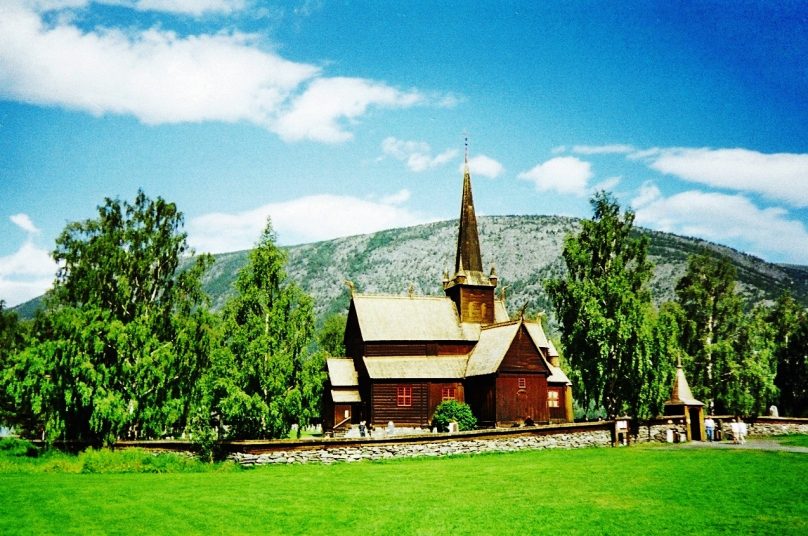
column 339, row 118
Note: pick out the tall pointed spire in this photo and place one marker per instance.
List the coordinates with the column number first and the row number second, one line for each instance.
column 470, row 289
column 468, row 241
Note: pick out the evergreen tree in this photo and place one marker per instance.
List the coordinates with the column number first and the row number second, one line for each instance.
column 604, row 308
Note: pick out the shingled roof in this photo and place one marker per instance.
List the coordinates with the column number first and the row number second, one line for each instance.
column 404, row 318
column 341, row 372
column 491, row 348
column 681, row 394
column 416, row 367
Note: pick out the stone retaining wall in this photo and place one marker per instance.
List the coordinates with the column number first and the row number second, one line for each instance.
column 368, row 451
column 762, row 428
column 658, row 431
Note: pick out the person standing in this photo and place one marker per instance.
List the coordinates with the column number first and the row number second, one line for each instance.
column 709, row 425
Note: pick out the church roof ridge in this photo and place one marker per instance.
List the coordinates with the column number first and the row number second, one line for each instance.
column 400, row 296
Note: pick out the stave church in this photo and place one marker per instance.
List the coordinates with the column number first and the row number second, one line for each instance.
column 407, row 354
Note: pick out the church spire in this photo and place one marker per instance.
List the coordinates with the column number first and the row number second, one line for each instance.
column 468, row 241
column 470, row 289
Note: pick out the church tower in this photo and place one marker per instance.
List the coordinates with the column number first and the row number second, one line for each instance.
column 469, row 288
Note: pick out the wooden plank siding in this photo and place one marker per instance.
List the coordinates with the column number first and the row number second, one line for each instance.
column 375, row 349
column 480, row 395
column 520, row 397
column 426, row 395
column 436, row 395
column 559, row 413
column 523, row 355
column 384, row 406
column 474, row 304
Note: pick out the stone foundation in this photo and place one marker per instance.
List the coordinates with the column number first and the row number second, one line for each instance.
column 657, row 431
column 591, row 438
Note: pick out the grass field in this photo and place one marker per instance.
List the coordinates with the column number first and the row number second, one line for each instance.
column 638, row 490
column 794, row 440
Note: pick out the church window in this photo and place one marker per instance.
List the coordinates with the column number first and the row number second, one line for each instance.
column 522, row 383
column 552, row 399
column 404, row 396
column 447, row 393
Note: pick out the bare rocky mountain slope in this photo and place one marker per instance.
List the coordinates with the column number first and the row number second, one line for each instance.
column 526, row 250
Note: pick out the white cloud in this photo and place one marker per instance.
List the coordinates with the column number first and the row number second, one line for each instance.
column 603, row 149
column 607, row 185
column 485, row 166
column 563, row 174
column 160, row 77
column 307, row 219
column 23, row 221
column 191, row 7
column 177, row 7
column 648, row 193
column 718, row 217
column 398, row 198
column 417, row 154
column 781, row 176
column 320, row 112
column 25, row 274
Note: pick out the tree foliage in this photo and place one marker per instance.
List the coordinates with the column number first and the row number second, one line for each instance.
column 330, row 335
column 123, row 340
column 790, row 325
column 12, row 340
column 263, row 378
column 453, row 411
column 731, row 354
column 713, row 314
column 604, row 308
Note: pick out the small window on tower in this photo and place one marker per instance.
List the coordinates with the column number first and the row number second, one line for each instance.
column 522, row 383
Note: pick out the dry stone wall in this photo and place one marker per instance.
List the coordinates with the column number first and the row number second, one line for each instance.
column 386, row 451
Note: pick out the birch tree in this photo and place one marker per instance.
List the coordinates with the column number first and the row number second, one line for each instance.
column 264, row 378
column 604, row 308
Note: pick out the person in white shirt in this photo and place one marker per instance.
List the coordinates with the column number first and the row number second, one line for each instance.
column 709, row 424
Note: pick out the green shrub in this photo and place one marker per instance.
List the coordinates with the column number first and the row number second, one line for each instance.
column 452, row 410
column 14, row 447
column 137, row 461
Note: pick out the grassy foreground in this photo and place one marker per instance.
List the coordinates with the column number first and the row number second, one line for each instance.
column 638, row 490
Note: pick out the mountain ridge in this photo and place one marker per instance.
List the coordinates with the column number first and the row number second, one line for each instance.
column 526, row 250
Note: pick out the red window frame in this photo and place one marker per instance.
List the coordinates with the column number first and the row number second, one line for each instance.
column 522, row 383
column 553, row 399
column 448, row 393
column 404, row 396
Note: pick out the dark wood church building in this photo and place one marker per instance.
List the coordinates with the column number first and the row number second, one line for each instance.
column 406, row 354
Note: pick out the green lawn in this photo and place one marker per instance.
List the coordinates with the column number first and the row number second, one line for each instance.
column 638, row 490
column 793, row 440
